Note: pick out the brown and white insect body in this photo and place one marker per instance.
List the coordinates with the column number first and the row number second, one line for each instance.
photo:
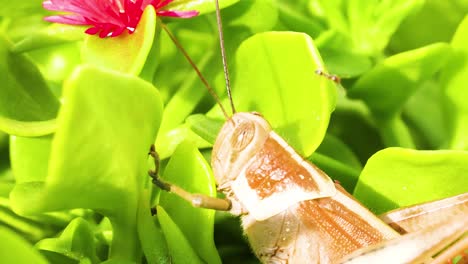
column 292, row 212
column 287, row 204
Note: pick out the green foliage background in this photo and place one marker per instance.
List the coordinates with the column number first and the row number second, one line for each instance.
column 78, row 115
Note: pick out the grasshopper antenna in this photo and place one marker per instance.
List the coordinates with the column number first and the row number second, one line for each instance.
column 223, row 55
column 197, row 70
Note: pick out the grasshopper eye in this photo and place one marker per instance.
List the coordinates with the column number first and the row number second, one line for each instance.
column 242, row 135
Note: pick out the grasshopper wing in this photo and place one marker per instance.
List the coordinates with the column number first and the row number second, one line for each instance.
column 316, row 231
column 429, row 227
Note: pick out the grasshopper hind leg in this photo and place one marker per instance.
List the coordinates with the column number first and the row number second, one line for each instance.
column 196, row 199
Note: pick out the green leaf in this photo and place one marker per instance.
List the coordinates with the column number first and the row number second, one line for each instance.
column 424, row 113
column 180, row 249
column 168, row 141
column 151, row 236
column 397, row 177
column 189, row 170
column 54, row 34
column 294, row 18
column 412, row 32
column 372, row 23
column 334, row 147
column 29, row 158
column 12, row 9
column 257, row 15
column 345, row 63
column 99, row 153
column 187, row 96
column 16, row 250
column 368, row 24
column 202, row 6
column 454, row 79
column 275, row 76
column 27, row 129
column 24, row 96
column 207, row 128
column 386, row 87
column 125, row 53
column 75, row 242
column 352, row 124
column 57, row 62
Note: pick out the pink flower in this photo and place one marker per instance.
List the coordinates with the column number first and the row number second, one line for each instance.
column 109, row 18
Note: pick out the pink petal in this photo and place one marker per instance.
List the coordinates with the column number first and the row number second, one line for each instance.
column 180, row 14
column 67, row 19
column 92, row 31
column 108, row 18
column 160, row 4
column 118, row 32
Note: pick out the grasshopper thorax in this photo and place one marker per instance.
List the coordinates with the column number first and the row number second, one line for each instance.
column 239, row 140
column 259, row 172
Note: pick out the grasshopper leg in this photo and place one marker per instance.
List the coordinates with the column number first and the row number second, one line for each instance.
column 196, row 199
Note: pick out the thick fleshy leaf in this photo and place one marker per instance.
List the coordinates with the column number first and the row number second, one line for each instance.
column 397, row 177
column 425, row 115
column 276, row 77
column 24, row 96
column 338, row 161
column 54, row 34
column 180, row 249
column 386, row 87
column 202, row 6
column 187, row 96
column 351, row 122
column 410, row 34
column 56, row 63
column 454, row 79
column 75, row 242
column 31, row 229
column 27, row 129
column 369, row 24
column 168, row 141
column 295, row 17
column 126, row 53
column 345, row 63
column 12, row 244
column 207, row 128
column 99, row 153
column 257, row 15
column 151, row 236
column 189, row 170
column 333, row 147
column 30, row 157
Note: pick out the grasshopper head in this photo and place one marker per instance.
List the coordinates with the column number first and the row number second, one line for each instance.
column 239, row 140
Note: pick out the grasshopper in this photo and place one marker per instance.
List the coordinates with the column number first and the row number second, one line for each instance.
column 292, row 212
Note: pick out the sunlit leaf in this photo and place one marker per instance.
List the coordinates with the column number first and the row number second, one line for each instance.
column 24, row 96
column 125, row 53
column 151, row 236
column 12, row 244
column 396, row 177
column 276, row 77
column 202, row 6
column 54, row 34
column 188, row 169
column 99, row 153
column 258, row 15
column 454, row 79
column 180, row 249
column 76, row 242
column 387, row 86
